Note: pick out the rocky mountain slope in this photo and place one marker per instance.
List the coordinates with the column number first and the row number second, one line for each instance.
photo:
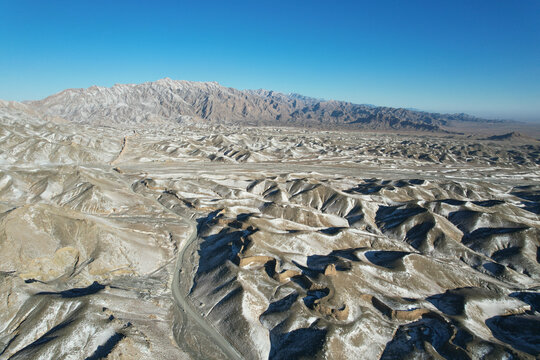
column 189, row 102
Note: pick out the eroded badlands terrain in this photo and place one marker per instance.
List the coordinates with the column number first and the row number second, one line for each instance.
column 256, row 243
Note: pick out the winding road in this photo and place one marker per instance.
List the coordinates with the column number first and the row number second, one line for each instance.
column 182, row 301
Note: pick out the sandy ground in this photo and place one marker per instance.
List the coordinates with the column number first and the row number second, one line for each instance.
column 265, row 243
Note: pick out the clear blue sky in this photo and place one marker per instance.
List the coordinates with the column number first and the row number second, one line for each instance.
column 475, row 56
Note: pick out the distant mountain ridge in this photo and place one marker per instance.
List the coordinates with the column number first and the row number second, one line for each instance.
column 187, row 102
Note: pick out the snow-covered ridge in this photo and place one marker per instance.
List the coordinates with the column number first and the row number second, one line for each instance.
column 181, row 101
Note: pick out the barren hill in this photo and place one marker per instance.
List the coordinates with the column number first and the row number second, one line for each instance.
column 189, row 102
column 511, row 136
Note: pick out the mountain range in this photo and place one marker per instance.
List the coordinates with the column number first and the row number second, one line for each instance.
column 187, row 102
